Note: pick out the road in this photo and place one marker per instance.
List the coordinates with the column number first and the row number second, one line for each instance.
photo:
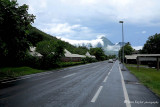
column 99, row 84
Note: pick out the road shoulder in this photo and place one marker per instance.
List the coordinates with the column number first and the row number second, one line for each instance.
column 139, row 95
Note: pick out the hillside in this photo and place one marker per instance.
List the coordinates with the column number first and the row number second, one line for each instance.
column 41, row 36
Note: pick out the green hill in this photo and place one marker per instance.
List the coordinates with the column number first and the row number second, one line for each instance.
column 38, row 35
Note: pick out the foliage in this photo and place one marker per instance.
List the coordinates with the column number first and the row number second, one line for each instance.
column 67, row 64
column 88, row 60
column 111, row 56
column 15, row 23
column 41, row 36
column 152, row 45
column 12, row 72
column 98, row 53
column 52, row 52
column 127, row 50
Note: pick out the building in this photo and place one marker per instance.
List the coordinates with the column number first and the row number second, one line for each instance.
column 34, row 53
column 88, row 55
column 149, row 59
column 69, row 57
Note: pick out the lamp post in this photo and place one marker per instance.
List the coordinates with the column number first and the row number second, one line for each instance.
column 122, row 44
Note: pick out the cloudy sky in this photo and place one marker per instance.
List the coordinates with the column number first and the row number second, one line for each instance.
column 91, row 19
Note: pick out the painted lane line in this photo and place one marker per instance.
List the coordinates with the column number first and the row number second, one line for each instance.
column 105, row 78
column 124, row 89
column 69, row 75
column 112, row 67
column 108, row 74
column 97, row 94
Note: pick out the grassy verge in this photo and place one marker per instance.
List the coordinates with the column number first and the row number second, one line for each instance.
column 148, row 76
column 67, row 64
column 12, row 72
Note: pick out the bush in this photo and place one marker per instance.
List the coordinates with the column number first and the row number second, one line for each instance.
column 66, row 64
column 88, row 60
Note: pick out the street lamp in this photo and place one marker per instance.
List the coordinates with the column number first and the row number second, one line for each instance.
column 122, row 44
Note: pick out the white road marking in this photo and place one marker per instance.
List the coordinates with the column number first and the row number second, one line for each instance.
column 97, row 94
column 124, row 89
column 108, row 74
column 69, row 75
column 105, row 78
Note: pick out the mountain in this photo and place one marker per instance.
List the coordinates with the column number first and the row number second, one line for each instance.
column 121, row 43
column 103, row 42
column 109, row 47
column 106, row 41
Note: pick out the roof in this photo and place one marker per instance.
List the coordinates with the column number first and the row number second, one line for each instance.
column 33, row 52
column 148, row 55
column 87, row 54
column 69, row 54
column 131, row 56
column 134, row 56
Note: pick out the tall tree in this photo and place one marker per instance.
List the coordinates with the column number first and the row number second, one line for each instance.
column 52, row 52
column 98, row 52
column 127, row 50
column 152, row 45
column 51, row 47
column 15, row 23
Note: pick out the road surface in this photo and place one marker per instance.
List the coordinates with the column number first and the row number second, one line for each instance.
column 99, row 84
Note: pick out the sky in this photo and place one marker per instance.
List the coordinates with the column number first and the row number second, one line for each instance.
column 88, row 20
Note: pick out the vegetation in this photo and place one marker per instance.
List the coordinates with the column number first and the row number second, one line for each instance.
column 10, row 72
column 89, row 60
column 98, row 53
column 152, row 45
column 111, row 57
column 67, row 64
column 15, row 23
column 18, row 35
column 148, row 76
column 127, row 50
column 41, row 36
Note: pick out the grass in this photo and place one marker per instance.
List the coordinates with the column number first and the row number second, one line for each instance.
column 12, row 72
column 148, row 76
column 67, row 64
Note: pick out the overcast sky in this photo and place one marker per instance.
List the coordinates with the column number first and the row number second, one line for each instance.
column 90, row 19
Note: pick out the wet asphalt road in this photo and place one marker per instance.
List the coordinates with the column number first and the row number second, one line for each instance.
column 92, row 85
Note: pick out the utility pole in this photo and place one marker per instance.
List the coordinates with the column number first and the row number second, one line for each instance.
column 122, row 44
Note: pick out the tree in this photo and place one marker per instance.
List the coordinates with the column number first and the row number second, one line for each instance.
column 127, row 50
column 15, row 23
column 52, row 52
column 47, row 48
column 99, row 53
column 152, row 45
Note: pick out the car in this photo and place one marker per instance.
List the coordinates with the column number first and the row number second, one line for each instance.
column 114, row 59
column 110, row 61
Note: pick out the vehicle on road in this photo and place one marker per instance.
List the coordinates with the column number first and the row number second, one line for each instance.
column 114, row 59
column 110, row 61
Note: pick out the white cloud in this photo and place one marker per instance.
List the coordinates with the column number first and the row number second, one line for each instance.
column 81, row 42
column 137, row 47
column 132, row 11
column 143, row 32
column 113, row 48
column 85, row 19
column 59, row 29
column 65, row 30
